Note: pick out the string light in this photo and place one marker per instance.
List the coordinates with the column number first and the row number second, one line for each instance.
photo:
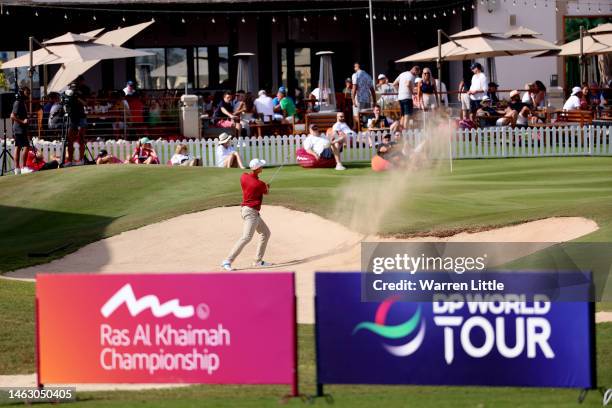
column 212, row 20
column 36, row 13
column 94, row 17
column 394, row 17
column 463, row 8
column 473, row 7
column 425, row 16
column 367, row 15
column 183, row 20
column 335, row 18
column 384, row 17
column 65, row 16
column 415, row 18
column 444, row 14
column 374, row 16
column 405, row 18
column 243, row 20
column 434, row 15
column 305, row 19
column 454, row 12
column 123, row 19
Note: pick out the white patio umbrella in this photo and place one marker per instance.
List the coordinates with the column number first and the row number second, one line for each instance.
column 69, row 72
column 594, row 42
column 527, row 35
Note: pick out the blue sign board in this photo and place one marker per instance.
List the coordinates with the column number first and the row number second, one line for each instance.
column 511, row 343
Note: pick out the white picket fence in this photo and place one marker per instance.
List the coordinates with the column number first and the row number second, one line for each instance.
column 497, row 142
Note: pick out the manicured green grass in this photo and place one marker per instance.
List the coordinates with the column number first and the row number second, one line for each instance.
column 44, row 211
column 17, row 351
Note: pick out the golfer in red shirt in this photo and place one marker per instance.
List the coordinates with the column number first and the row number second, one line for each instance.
column 253, row 190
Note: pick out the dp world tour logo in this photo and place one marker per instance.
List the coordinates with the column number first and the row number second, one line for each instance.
column 126, row 296
column 403, row 330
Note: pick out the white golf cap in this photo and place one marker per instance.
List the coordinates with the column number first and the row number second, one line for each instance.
column 382, row 76
column 261, row 93
column 256, row 164
column 575, row 90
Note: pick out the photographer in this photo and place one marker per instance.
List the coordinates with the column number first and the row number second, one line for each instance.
column 77, row 122
column 19, row 118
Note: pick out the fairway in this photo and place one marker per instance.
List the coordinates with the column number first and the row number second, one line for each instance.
column 70, row 208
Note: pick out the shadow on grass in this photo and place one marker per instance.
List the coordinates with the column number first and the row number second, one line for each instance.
column 31, row 236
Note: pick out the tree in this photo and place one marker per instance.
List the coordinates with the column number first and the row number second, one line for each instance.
column 3, row 83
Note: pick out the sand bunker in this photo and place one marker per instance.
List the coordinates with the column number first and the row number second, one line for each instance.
column 301, row 242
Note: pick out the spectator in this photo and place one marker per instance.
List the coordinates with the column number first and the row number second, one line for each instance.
column 386, row 91
column 362, row 92
column 56, row 116
column 226, row 155
column 443, row 92
column 276, row 100
column 464, row 97
column 389, row 150
column 404, row 84
column 130, row 88
column 144, row 153
column 321, row 147
column 341, row 129
column 182, row 157
column 517, row 112
column 264, row 106
column 486, row 114
column 378, row 121
column 84, row 90
column 105, row 158
column 239, row 100
column 249, row 113
column 286, row 106
column 77, row 119
column 539, row 97
column 573, row 102
column 528, row 95
column 492, row 93
column 19, row 118
column 36, row 162
column 427, row 92
column 478, row 88
column 225, row 116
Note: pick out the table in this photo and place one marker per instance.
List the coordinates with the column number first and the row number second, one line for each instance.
column 274, row 128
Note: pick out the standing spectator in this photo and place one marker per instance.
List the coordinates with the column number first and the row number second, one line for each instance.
column 386, row 91
column 404, row 84
column 130, row 88
column 84, row 90
column 492, row 93
column 427, row 92
column 464, row 98
column 573, row 102
column 225, row 116
column 362, row 93
column 443, row 92
column 264, row 106
column 478, row 88
column 77, row 121
column 55, row 116
column 226, row 155
column 19, row 117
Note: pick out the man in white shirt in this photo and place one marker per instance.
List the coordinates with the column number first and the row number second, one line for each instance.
column 443, row 92
column 321, row 147
column 340, row 128
column 573, row 102
column 386, row 91
column 264, row 106
column 404, row 84
column 478, row 88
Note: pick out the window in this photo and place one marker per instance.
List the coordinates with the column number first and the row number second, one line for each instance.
column 176, row 62
column 23, row 78
column 200, row 67
column 7, row 81
column 151, row 69
column 18, row 76
column 303, row 74
column 223, row 65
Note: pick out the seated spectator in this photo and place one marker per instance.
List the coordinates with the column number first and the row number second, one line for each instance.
column 248, row 113
column 517, row 112
column 105, row 158
column 144, row 153
column 264, row 106
column 226, row 155
column 341, row 129
column 539, row 96
column 486, row 114
column 528, row 95
column 390, row 150
column 492, row 93
column 573, row 102
column 225, row 116
column 182, row 157
column 286, row 107
column 36, row 162
column 378, row 121
column 207, row 103
column 386, row 91
column 321, row 147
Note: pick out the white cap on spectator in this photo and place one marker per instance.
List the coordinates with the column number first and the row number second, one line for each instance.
column 382, row 76
column 514, row 93
column 261, row 93
column 575, row 90
column 256, row 164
